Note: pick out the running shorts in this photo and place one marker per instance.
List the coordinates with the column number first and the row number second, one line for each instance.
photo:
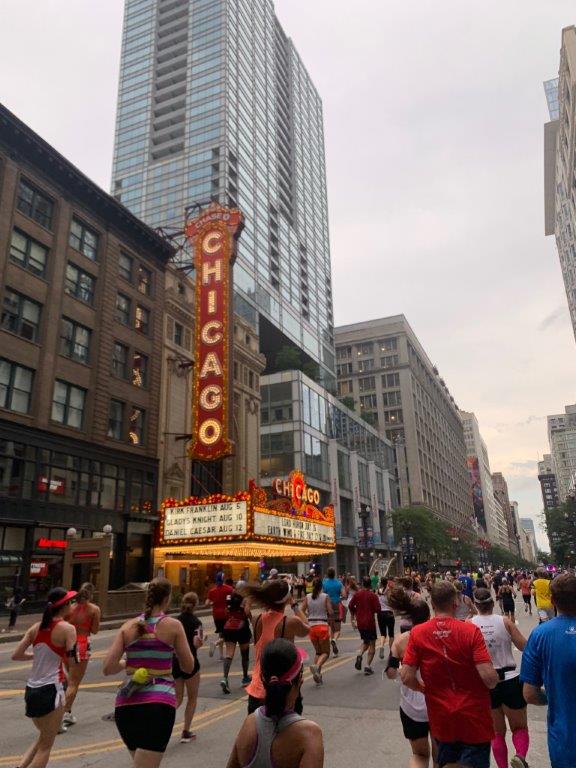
column 240, row 636
column 337, row 616
column 386, row 623
column 177, row 672
column 508, row 693
column 527, row 599
column 413, row 729
column 469, row 755
column 368, row 635
column 219, row 625
column 83, row 648
column 320, row 637
column 145, row 726
column 43, row 700
column 508, row 606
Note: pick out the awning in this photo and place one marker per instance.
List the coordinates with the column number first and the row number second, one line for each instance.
column 242, row 550
column 11, row 560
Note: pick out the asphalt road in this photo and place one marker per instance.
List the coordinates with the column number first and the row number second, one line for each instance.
column 358, row 714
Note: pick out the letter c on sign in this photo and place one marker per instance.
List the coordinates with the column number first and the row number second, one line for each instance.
column 212, row 242
column 211, row 332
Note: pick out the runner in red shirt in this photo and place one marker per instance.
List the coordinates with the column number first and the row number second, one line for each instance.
column 363, row 607
column 457, row 673
column 217, row 597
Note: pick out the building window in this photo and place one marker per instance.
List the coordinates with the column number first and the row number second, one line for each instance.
column 342, row 353
column 136, row 433
column 68, row 404
column 83, row 239
column 15, row 386
column 344, row 388
column 365, row 349
column 34, row 204
column 368, row 402
column 75, row 340
column 344, row 369
column 390, row 361
column 120, row 360
column 144, row 280
column 21, row 315
column 367, row 383
column 142, row 322
column 115, row 420
column 125, row 266
column 79, row 284
column 388, row 345
column 179, row 334
column 181, row 289
column 393, row 417
column 392, row 398
column 365, row 365
column 139, row 370
column 28, row 253
column 123, row 307
column 391, row 380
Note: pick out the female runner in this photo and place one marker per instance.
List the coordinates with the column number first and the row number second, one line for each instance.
column 319, row 611
column 85, row 616
column 53, row 641
column 194, row 634
column 236, row 631
column 507, row 594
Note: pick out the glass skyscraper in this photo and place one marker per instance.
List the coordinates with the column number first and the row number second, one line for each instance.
column 215, row 104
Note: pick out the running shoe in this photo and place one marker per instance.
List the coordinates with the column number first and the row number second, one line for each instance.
column 69, row 719
column 211, row 648
column 316, row 674
column 368, row 671
column 358, row 663
column 334, row 647
column 518, row 762
column 382, row 652
column 63, row 728
column 187, row 737
column 224, row 685
column 246, row 681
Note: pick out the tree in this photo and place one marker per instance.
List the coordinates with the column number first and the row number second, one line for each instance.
column 430, row 534
column 311, row 369
column 288, row 359
column 348, row 401
column 560, row 525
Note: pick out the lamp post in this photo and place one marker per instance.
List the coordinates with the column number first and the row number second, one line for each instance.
column 365, row 543
column 408, row 546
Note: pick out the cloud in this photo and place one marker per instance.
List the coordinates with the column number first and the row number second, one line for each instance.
column 559, row 317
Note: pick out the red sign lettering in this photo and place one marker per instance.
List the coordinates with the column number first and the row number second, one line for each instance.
column 51, row 544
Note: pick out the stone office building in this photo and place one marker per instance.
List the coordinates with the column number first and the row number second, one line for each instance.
column 82, row 297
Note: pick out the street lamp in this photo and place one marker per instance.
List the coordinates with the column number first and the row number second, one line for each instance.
column 107, row 529
column 364, row 514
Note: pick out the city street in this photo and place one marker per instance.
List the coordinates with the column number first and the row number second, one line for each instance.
column 358, row 714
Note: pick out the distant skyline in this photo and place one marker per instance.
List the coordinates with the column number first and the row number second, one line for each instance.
column 434, row 134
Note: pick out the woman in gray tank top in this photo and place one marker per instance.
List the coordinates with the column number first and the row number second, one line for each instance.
column 274, row 736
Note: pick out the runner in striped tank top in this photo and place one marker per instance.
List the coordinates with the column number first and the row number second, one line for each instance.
column 146, row 705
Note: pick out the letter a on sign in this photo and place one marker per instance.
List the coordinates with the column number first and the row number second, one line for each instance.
column 213, row 237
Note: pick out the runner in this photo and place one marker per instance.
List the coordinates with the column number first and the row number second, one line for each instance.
column 508, row 703
column 146, row 704
column 413, row 713
column 216, row 598
column 525, row 585
column 549, row 660
column 335, row 591
column 275, row 736
column 236, row 632
column 467, row 583
column 85, row 616
column 506, row 595
column 318, row 608
column 465, row 607
column 53, row 640
column 405, row 621
column 14, row 605
column 496, row 584
column 543, row 596
column 193, row 630
column 386, row 615
column 363, row 607
column 273, row 596
column 457, row 672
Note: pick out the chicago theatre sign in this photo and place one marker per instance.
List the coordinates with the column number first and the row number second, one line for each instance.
column 213, row 237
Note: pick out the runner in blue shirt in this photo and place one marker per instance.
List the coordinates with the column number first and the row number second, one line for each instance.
column 549, row 660
column 467, row 584
column 335, row 590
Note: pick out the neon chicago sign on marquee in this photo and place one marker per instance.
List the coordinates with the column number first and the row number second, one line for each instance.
column 213, row 237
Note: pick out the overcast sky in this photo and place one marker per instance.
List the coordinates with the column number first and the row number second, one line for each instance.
column 434, row 113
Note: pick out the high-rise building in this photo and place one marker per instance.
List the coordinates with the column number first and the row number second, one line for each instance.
column 501, row 493
column 531, row 548
column 548, row 484
column 386, row 376
column 559, row 146
column 562, row 439
column 489, row 514
column 215, row 104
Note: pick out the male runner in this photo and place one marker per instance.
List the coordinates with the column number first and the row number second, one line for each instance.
column 549, row 660
column 467, row 584
column 363, row 607
column 542, row 596
column 457, row 673
column 335, row 591
column 217, row 598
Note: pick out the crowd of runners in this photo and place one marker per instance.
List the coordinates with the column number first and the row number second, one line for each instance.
column 449, row 637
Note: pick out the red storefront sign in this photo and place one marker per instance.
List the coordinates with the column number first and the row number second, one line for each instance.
column 51, row 543
column 38, row 570
column 85, row 555
column 55, row 485
column 213, row 237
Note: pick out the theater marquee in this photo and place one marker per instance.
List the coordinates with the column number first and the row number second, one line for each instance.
column 213, row 237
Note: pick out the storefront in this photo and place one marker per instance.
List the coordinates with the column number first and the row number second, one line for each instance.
column 237, row 534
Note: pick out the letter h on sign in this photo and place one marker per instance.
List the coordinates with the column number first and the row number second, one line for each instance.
column 213, row 237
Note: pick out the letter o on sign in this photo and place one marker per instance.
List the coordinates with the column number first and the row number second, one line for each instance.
column 317, row 497
column 211, row 397
column 210, row 432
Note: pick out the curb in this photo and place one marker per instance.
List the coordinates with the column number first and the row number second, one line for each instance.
column 115, row 623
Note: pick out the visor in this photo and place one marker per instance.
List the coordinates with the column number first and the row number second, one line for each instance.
column 70, row 595
column 295, row 669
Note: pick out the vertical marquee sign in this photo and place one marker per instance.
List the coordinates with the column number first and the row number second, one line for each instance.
column 213, row 237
